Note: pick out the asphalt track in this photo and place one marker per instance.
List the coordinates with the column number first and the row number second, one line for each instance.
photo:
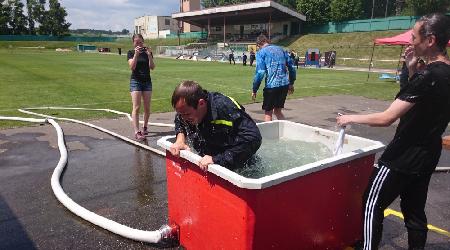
column 127, row 184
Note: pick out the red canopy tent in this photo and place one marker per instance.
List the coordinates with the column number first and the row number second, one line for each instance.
column 401, row 39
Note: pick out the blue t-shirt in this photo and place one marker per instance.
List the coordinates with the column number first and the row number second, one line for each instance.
column 274, row 63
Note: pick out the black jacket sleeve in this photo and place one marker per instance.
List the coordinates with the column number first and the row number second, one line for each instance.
column 179, row 127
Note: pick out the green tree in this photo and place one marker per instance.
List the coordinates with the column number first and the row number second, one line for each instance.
column 53, row 21
column 214, row 3
column 239, row 1
column 421, row 7
column 208, row 3
column 45, row 24
column 289, row 3
column 343, row 10
column 5, row 15
column 379, row 8
column 31, row 17
column 58, row 15
column 399, row 7
column 316, row 11
column 18, row 20
column 40, row 17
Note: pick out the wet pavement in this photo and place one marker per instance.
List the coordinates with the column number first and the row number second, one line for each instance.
column 127, row 184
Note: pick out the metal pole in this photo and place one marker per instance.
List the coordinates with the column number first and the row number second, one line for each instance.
column 373, row 5
column 209, row 30
column 385, row 13
column 180, row 23
column 224, row 31
column 270, row 20
column 370, row 63
column 398, row 64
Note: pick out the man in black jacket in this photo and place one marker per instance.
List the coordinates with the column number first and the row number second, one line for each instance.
column 218, row 127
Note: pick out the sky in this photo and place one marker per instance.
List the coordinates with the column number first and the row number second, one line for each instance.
column 114, row 15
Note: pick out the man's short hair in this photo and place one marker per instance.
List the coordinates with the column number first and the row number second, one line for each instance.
column 261, row 40
column 190, row 91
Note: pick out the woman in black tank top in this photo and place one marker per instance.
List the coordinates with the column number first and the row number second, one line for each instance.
column 141, row 62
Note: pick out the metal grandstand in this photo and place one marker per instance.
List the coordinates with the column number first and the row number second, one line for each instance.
column 243, row 22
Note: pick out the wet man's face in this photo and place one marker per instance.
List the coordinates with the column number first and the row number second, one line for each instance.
column 189, row 114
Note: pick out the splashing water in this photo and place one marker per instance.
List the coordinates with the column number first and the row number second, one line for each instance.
column 279, row 155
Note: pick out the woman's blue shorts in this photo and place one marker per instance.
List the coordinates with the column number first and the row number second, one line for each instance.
column 136, row 85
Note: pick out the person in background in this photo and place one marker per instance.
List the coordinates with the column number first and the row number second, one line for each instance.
column 292, row 55
column 332, row 59
column 218, row 127
column 297, row 60
column 275, row 64
column 252, row 57
column 141, row 62
column 231, row 56
column 244, row 59
column 423, row 107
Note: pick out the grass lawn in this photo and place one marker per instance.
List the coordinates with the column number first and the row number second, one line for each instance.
column 124, row 43
column 32, row 78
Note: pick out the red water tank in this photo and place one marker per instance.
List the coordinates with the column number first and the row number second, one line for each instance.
column 320, row 210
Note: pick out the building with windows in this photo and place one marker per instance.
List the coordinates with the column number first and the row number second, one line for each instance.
column 152, row 27
column 243, row 22
column 187, row 6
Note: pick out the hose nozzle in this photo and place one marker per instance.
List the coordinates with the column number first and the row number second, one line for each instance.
column 340, row 141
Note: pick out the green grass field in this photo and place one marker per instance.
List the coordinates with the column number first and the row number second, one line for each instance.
column 348, row 45
column 351, row 45
column 124, row 43
column 32, row 78
column 355, row 45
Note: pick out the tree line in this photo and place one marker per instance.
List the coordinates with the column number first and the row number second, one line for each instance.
column 99, row 32
column 322, row 11
column 41, row 18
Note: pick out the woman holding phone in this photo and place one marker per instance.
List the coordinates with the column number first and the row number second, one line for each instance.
column 141, row 62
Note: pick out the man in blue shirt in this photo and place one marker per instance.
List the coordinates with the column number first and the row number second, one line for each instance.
column 274, row 63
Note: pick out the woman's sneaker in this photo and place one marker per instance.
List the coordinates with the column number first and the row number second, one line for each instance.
column 144, row 131
column 139, row 136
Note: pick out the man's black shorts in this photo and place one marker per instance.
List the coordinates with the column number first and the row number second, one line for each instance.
column 274, row 98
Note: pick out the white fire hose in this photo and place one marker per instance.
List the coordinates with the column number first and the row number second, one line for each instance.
column 339, row 142
column 165, row 232
column 124, row 138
